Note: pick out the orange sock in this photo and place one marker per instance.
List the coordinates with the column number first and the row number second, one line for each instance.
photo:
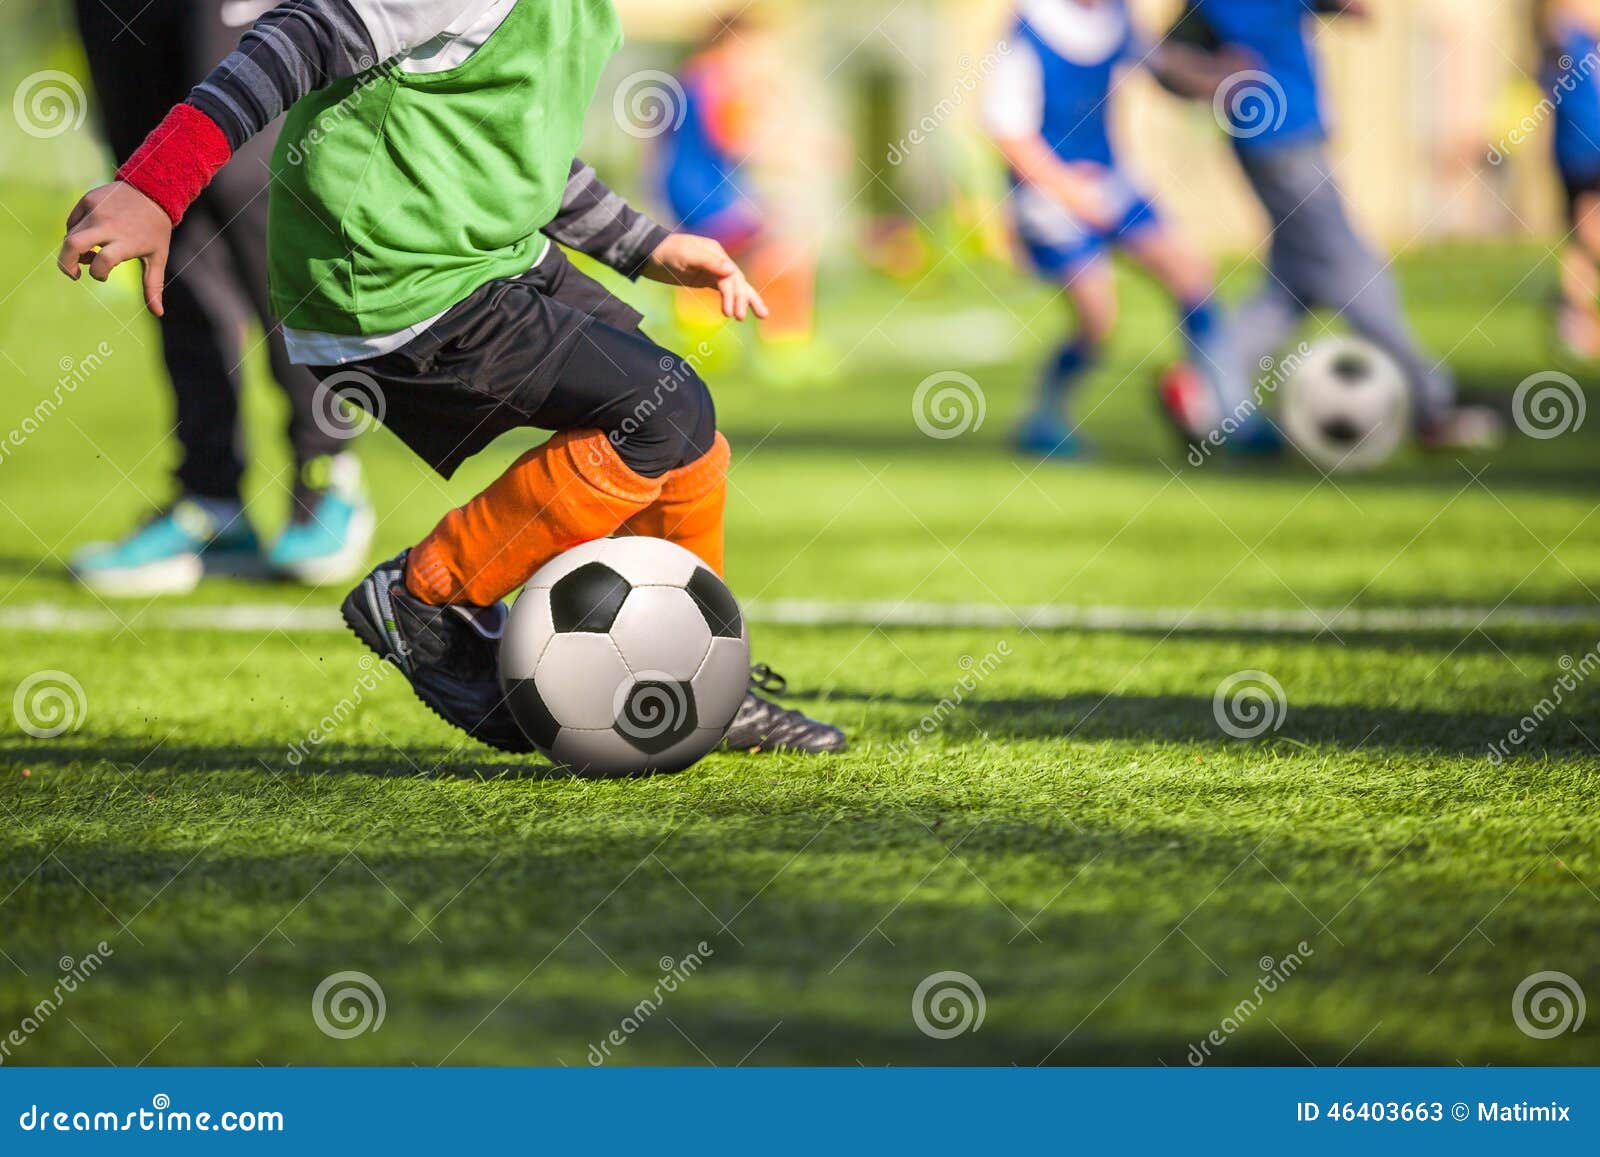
column 569, row 491
column 689, row 510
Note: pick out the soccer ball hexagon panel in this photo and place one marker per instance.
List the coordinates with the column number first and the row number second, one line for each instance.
column 625, row 655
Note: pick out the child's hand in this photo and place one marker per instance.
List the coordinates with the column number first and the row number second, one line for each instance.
column 1085, row 189
column 701, row 263
column 121, row 223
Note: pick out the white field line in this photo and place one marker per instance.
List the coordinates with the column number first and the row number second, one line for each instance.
column 256, row 618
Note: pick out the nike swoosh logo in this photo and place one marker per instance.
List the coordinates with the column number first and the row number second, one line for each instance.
column 238, row 13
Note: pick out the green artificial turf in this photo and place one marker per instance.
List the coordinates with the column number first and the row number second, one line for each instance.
column 1072, row 830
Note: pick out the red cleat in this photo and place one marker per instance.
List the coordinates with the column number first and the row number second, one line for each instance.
column 1187, row 402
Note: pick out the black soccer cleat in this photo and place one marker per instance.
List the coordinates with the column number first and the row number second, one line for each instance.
column 762, row 726
column 450, row 654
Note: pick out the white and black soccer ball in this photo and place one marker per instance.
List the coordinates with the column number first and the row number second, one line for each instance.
column 1346, row 406
column 625, row 655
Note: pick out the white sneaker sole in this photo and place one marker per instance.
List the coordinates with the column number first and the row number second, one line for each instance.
column 173, row 576
column 346, row 563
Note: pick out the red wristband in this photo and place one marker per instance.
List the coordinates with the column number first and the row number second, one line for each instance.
column 177, row 159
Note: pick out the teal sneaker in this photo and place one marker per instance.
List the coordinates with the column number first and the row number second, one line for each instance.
column 1044, row 434
column 171, row 552
column 330, row 532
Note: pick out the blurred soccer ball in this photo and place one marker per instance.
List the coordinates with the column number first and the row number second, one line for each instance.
column 625, row 655
column 1347, row 406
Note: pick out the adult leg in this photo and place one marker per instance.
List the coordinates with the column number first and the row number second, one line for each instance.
column 202, row 339
column 1258, row 331
column 140, row 59
column 331, row 522
column 237, row 198
column 1320, row 259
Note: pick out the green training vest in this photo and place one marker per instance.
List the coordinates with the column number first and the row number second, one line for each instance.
column 397, row 194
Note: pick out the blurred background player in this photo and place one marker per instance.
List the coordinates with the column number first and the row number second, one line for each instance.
column 143, row 59
column 1569, row 39
column 1046, row 106
column 706, row 174
column 1317, row 259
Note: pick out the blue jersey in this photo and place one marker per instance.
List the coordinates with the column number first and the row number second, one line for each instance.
column 1055, row 83
column 1574, row 89
column 1056, row 78
column 1289, row 110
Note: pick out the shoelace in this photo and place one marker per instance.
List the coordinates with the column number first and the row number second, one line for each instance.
column 764, row 678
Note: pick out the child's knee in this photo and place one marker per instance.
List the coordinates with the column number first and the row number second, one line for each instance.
column 697, row 422
column 670, row 425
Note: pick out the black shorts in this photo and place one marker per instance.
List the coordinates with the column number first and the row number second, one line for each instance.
column 1578, row 185
column 551, row 349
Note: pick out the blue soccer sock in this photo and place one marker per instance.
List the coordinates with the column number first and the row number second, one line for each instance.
column 1199, row 333
column 1062, row 372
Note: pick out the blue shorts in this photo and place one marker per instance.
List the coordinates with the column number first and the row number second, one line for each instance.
column 1578, row 183
column 1058, row 244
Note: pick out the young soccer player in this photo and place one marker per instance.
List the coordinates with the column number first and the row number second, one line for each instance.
column 1046, row 107
column 1569, row 35
column 1317, row 259
column 425, row 167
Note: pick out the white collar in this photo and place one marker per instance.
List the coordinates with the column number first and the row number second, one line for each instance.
column 1084, row 35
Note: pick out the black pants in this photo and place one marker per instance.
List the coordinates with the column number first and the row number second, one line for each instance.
column 552, row 350
column 144, row 58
